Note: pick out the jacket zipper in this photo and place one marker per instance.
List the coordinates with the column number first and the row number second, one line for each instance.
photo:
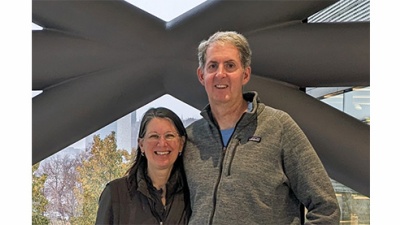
column 220, row 168
column 165, row 208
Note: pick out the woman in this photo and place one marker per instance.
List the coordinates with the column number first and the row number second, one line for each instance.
column 154, row 190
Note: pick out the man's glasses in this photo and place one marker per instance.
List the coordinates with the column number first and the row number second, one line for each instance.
column 156, row 137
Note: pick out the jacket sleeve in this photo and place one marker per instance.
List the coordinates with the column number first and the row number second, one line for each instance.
column 308, row 177
column 105, row 211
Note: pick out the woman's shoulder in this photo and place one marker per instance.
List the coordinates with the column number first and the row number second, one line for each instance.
column 118, row 181
column 117, row 188
column 118, row 184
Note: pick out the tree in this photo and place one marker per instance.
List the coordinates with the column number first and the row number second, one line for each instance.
column 101, row 163
column 59, row 187
column 39, row 201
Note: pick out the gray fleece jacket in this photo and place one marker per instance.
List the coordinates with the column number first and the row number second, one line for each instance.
column 265, row 175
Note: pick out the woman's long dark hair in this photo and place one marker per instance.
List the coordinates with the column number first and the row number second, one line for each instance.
column 150, row 114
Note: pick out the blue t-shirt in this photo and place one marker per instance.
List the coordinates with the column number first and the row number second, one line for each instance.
column 227, row 133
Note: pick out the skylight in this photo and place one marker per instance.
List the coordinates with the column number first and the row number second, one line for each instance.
column 166, row 10
column 36, row 27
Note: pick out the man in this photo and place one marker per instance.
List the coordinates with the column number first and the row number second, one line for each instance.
column 248, row 163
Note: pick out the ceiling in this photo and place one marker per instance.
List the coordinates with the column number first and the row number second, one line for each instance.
column 96, row 61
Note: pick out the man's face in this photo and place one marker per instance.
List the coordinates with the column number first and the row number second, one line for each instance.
column 223, row 76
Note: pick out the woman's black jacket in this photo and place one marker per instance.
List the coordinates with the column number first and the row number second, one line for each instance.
column 142, row 205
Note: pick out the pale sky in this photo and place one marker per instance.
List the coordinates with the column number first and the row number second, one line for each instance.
column 182, row 109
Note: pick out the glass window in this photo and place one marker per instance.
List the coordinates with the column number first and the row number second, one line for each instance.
column 355, row 207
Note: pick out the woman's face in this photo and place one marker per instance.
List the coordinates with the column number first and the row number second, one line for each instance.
column 161, row 144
